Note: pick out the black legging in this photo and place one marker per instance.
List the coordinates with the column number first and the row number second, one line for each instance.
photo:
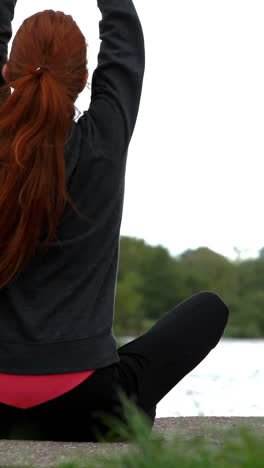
column 149, row 367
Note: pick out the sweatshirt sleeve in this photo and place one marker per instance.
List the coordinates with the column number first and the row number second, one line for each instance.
column 7, row 10
column 117, row 81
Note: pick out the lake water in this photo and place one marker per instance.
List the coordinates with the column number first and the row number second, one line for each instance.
column 228, row 382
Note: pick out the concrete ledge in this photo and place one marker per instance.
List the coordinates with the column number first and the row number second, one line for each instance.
column 24, row 453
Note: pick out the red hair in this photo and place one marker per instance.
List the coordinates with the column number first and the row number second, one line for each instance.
column 34, row 122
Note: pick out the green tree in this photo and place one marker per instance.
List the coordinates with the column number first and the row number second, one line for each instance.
column 211, row 271
column 151, row 282
column 129, row 312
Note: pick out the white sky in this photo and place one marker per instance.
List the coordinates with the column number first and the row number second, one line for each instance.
column 195, row 170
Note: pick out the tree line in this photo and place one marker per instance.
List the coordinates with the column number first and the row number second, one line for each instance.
column 151, row 282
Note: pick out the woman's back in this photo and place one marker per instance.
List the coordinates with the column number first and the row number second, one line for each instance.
column 57, row 316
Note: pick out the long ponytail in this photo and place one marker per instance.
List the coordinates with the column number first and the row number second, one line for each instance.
column 34, row 122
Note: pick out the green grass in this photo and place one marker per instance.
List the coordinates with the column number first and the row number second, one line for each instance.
column 240, row 448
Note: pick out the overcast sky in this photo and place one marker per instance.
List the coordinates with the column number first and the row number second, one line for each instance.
column 195, row 164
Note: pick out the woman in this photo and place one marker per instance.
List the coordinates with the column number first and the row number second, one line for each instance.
column 59, row 362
